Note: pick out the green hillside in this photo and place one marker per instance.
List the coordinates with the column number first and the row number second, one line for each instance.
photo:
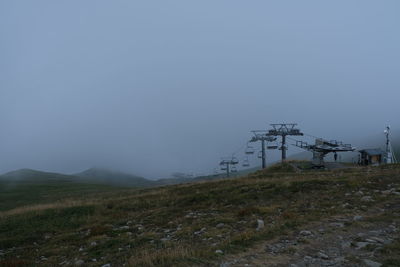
column 25, row 187
column 205, row 223
column 104, row 176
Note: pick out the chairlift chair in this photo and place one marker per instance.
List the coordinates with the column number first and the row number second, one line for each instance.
column 234, row 161
column 259, row 155
column 245, row 162
column 249, row 150
column 233, row 169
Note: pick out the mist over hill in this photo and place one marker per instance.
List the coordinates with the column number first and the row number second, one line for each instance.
column 100, row 175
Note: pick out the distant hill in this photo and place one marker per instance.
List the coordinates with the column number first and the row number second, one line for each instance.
column 24, row 187
column 37, row 176
column 104, row 176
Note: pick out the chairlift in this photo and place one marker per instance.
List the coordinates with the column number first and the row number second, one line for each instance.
column 223, row 168
column 259, row 155
column 234, row 161
column 272, row 147
column 246, row 163
column 233, row 169
column 249, row 150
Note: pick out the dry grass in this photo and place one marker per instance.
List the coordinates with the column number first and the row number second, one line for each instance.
column 41, row 207
column 163, row 226
column 165, row 257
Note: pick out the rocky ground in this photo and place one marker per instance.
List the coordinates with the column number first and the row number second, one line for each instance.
column 357, row 240
column 278, row 217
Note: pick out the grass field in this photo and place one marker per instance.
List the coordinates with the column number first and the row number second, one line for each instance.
column 180, row 225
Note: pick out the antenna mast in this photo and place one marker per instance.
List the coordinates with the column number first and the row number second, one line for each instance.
column 390, row 158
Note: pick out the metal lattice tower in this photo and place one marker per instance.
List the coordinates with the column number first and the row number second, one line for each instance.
column 283, row 130
column 260, row 135
column 390, row 157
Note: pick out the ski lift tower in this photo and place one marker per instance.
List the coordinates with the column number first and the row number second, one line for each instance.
column 389, row 157
column 283, row 130
column 260, row 135
column 322, row 148
column 226, row 165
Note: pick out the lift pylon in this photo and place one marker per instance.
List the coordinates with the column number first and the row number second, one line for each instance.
column 283, row 130
column 261, row 135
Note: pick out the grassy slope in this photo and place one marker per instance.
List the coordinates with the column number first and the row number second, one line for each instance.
column 177, row 225
column 25, row 187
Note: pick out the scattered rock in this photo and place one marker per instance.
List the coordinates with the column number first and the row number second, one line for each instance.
column 379, row 240
column 260, row 224
column 201, row 231
column 360, row 245
column 306, row 233
column 346, row 244
column 94, row 243
column 323, row 256
column 370, row 263
column 218, row 251
column 79, row 262
column 367, row 199
column 308, row 258
column 106, row 265
column 220, row 225
column 346, row 205
column 337, row 224
column 387, row 192
column 357, row 218
column 359, row 193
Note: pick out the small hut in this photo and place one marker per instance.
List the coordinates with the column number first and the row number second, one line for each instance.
column 371, row 156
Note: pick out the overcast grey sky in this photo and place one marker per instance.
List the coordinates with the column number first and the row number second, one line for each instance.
column 153, row 87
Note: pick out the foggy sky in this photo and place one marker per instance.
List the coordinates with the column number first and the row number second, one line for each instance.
column 153, row 87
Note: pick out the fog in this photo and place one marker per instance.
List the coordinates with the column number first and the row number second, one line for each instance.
column 155, row 87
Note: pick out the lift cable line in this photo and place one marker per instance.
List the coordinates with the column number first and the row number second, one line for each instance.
column 261, row 135
column 283, row 130
column 390, row 156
